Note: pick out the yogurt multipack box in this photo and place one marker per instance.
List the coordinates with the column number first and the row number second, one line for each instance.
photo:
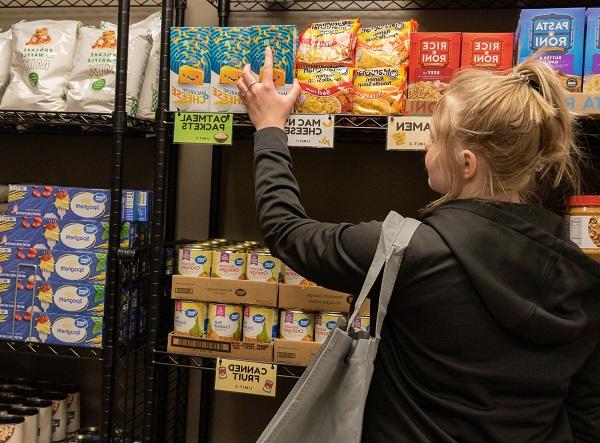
column 54, row 266
column 560, row 33
column 59, row 329
column 72, row 204
column 63, row 235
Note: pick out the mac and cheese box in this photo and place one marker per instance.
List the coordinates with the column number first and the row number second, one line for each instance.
column 490, row 52
column 591, row 74
column 190, row 69
column 560, row 34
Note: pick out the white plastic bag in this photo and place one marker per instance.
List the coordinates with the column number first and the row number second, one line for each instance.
column 5, row 56
column 149, row 92
column 140, row 45
column 42, row 59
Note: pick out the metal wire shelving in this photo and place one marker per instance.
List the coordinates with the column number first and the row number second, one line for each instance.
column 73, row 3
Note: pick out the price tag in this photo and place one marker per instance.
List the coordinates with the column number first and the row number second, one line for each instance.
column 203, row 128
column 246, row 377
column 310, row 130
column 408, row 133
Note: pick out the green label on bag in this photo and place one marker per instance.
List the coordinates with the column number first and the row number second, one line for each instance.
column 99, row 84
column 246, row 377
column 203, row 127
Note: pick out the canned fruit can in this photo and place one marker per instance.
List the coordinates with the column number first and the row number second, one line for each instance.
column 229, row 264
column 73, row 407
column 261, row 324
column 12, row 429
column 44, row 408
column 30, row 425
column 325, row 322
column 362, row 323
column 194, row 261
column 297, row 325
column 224, row 322
column 190, row 318
column 291, row 277
column 263, row 267
column 59, row 414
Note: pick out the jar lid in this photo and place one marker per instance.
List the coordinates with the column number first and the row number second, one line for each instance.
column 37, row 402
column 583, row 200
column 23, row 411
column 53, row 395
column 11, row 420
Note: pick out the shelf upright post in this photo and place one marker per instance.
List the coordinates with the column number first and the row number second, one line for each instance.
column 157, row 234
column 111, row 312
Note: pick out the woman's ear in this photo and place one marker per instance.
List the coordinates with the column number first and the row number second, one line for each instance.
column 470, row 164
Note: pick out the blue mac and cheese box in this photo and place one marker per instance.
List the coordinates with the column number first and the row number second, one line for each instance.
column 591, row 74
column 560, row 32
column 190, row 69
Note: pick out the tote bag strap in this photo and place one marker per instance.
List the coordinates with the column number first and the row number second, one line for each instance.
column 396, row 232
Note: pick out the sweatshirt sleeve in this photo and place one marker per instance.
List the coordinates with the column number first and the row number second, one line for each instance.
column 333, row 255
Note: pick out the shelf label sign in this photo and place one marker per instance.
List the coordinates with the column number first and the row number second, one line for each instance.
column 583, row 103
column 203, row 128
column 408, row 133
column 310, row 130
column 246, row 377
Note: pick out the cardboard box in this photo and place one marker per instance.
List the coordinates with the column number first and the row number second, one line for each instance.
column 434, row 57
column 298, row 353
column 491, row 52
column 316, row 298
column 591, row 72
column 59, row 329
column 202, row 347
column 561, row 32
column 219, row 290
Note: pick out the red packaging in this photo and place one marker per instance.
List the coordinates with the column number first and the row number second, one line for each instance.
column 434, row 57
column 491, row 52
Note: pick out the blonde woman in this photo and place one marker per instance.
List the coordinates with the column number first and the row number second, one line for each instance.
column 493, row 329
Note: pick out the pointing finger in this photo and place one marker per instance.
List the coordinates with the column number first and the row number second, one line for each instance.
column 294, row 92
column 268, row 68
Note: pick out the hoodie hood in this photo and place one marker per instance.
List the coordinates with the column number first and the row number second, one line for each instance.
column 518, row 258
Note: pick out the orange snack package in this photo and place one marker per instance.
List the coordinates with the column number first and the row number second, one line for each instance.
column 328, row 44
column 385, row 45
column 324, row 90
column 379, row 91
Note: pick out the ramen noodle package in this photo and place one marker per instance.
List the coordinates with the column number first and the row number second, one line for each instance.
column 591, row 76
column 149, row 92
column 42, row 59
column 229, row 52
column 379, row 91
column 5, row 56
column 190, row 69
column 434, row 57
column 328, row 44
column 491, row 52
column 324, row 90
column 385, row 45
column 560, row 32
column 282, row 41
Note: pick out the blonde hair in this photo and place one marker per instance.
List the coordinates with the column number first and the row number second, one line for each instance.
column 517, row 124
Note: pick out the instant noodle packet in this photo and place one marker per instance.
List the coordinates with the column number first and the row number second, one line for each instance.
column 282, row 41
column 385, row 45
column 328, row 44
column 324, row 90
column 379, row 91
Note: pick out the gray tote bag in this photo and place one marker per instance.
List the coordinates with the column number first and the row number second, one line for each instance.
column 328, row 401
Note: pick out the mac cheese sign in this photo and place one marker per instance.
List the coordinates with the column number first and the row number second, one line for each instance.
column 246, row 377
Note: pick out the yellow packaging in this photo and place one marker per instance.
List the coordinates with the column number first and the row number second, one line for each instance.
column 229, row 264
column 325, row 323
column 324, row 90
column 379, row 91
column 297, row 325
column 261, row 324
column 385, row 45
column 263, row 267
column 328, row 44
column 190, row 318
column 224, row 322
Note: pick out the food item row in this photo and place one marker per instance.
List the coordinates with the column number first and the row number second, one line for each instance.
column 591, row 75
column 61, row 65
column 255, row 324
column 241, row 261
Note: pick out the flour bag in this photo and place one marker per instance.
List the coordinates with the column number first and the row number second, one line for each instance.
column 5, row 56
column 149, row 93
column 42, row 60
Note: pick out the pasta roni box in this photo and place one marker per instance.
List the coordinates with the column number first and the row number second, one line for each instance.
column 434, row 57
column 62, row 329
column 52, row 234
column 560, row 33
column 491, row 52
column 71, row 204
column 229, row 53
column 54, row 266
column 282, row 41
column 591, row 75
column 190, row 69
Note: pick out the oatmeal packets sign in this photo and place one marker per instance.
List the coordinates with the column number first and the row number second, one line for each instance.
column 408, row 133
column 204, row 128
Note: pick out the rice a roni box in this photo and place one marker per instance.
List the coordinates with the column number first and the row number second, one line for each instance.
column 560, row 34
column 491, row 52
column 190, row 69
column 591, row 74
column 325, row 90
column 434, row 57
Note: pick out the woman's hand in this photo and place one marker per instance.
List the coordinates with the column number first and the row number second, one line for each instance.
column 266, row 107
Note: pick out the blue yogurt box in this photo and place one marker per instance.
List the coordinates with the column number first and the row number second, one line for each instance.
column 560, row 33
column 591, row 74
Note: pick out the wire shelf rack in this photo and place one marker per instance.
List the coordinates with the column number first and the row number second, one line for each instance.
column 72, row 3
column 162, row 358
column 71, row 122
column 44, row 349
column 393, row 5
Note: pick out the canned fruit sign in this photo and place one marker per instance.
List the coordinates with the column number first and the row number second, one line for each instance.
column 310, row 130
column 246, row 377
column 203, row 128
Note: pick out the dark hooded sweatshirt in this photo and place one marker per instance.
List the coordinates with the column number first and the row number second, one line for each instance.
column 493, row 329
